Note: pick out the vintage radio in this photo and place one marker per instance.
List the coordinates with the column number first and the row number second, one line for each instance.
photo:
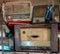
column 36, row 37
column 40, row 13
column 18, row 11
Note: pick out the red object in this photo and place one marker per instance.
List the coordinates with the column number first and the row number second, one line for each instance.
column 12, row 23
column 18, row 22
column 58, row 30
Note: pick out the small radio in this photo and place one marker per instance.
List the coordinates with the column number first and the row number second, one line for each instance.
column 32, row 37
column 18, row 11
column 36, row 37
column 38, row 14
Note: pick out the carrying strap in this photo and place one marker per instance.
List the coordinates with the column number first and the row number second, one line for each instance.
column 49, row 11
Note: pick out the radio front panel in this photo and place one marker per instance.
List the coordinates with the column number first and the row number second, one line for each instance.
column 18, row 11
column 32, row 37
column 18, row 17
column 35, row 37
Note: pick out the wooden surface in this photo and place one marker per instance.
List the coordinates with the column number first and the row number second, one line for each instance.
column 42, row 33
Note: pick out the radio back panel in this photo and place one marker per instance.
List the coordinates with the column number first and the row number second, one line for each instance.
column 18, row 11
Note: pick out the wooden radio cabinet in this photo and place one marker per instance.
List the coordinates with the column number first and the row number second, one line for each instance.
column 35, row 37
